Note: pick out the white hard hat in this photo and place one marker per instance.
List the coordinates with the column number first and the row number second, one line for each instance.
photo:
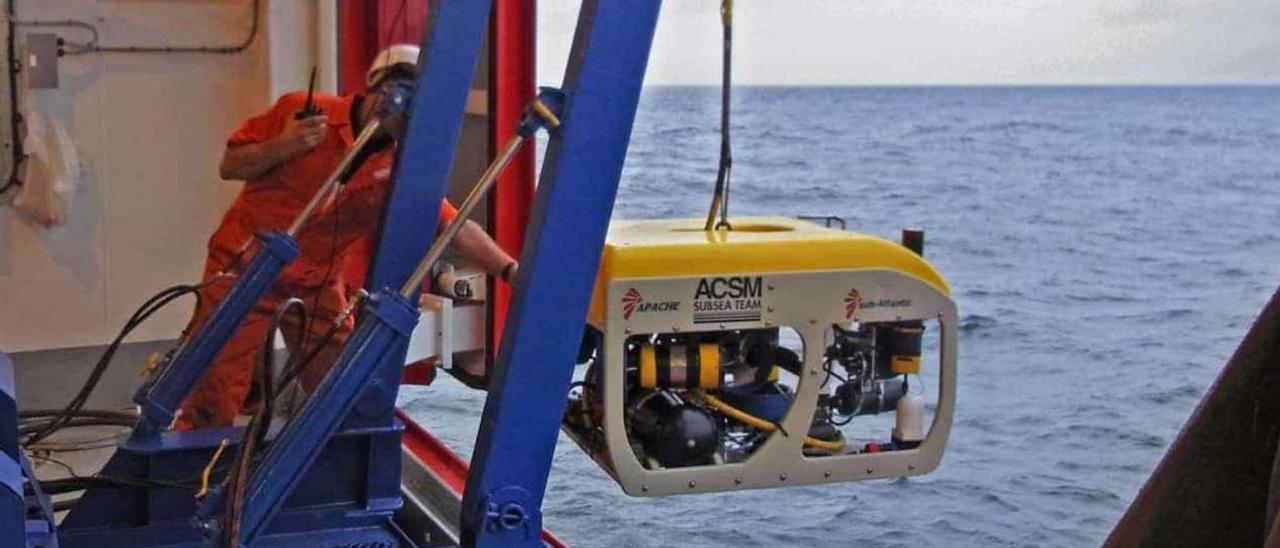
column 399, row 54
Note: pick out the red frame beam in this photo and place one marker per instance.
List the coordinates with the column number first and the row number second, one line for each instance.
column 512, row 67
column 366, row 27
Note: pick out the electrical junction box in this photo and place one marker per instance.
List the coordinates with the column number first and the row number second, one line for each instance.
column 42, row 60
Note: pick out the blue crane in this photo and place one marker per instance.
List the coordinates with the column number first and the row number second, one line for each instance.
column 331, row 476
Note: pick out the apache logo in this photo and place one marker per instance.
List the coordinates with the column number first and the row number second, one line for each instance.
column 851, row 302
column 630, row 302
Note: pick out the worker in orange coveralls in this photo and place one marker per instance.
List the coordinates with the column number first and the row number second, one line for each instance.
column 283, row 161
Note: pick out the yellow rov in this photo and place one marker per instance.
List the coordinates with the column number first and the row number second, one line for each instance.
column 761, row 356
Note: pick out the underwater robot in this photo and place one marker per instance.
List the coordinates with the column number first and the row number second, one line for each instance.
column 745, row 358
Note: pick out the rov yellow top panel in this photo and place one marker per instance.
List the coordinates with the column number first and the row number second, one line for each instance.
column 670, row 248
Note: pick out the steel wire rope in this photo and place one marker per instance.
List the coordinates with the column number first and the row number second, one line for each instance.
column 720, row 196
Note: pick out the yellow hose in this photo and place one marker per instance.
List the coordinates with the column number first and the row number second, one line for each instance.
column 761, row 424
column 208, row 469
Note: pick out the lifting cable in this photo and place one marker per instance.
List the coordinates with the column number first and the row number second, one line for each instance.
column 720, row 199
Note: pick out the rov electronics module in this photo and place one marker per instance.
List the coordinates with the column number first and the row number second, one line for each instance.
column 746, row 358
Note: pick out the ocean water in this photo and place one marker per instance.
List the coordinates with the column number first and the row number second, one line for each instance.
column 1108, row 248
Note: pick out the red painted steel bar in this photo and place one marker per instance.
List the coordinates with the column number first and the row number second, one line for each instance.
column 365, row 27
column 512, row 73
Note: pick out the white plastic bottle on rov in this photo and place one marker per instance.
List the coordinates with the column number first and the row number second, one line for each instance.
column 909, row 420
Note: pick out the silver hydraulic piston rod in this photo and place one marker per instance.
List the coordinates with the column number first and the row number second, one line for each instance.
column 537, row 115
column 393, row 103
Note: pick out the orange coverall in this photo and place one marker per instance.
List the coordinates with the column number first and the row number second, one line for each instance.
column 335, row 246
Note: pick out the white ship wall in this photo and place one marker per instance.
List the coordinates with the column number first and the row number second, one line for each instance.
column 150, row 132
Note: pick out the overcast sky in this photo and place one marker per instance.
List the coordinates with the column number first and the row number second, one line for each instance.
column 952, row 41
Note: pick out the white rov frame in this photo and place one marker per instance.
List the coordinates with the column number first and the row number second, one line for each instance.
column 809, row 302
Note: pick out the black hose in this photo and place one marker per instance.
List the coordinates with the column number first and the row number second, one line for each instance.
column 48, row 488
column 294, row 369
column 104, row 413
column 266, row 363
column 64, row 505
column 256, row 432
column 238, row 481
column 80, row 483
column 151, row 306
column 146, row 310
column 78, row 422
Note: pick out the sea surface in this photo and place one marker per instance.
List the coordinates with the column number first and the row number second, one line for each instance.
column 1107, row 247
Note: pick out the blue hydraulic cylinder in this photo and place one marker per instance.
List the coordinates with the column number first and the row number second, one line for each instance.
column 579, row 182
column 160, row 398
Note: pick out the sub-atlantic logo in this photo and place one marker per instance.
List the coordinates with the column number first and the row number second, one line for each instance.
column 630, row 302
column 851, row 302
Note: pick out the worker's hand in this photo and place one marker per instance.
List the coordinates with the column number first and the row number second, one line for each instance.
column 509, row 272
column 303, row 135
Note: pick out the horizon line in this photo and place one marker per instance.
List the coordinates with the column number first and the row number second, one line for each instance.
column 989, row 85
